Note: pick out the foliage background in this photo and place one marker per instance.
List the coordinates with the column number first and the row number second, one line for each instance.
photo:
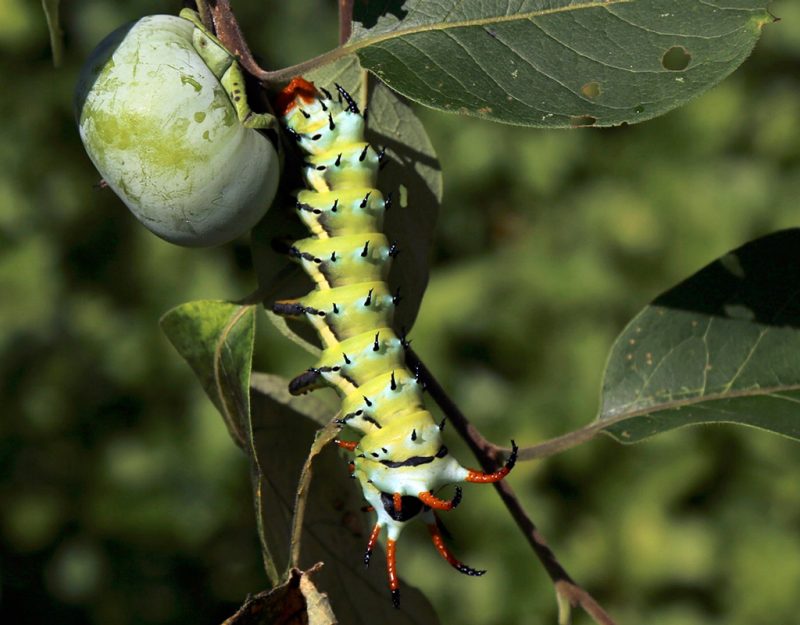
column 122, row 499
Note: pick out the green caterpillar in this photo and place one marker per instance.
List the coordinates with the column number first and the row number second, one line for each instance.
column 400, row 459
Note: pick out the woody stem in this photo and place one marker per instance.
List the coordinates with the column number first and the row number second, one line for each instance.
column 486, row 453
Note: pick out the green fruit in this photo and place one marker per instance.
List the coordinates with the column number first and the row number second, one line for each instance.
column 163, row 116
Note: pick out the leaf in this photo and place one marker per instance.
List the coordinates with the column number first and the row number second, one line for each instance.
column 414, row 178
column 295, row 602
column 412, row 174
column 216, row 339
column 309, row 406
column 555, row 63
column 335, row 530
column 278, row 277
column 53, row 26
column 721, row 347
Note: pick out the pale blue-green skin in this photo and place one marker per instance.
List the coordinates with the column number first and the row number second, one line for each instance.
column 164, row 134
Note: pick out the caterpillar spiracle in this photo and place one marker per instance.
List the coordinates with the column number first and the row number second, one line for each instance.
column 400, row 460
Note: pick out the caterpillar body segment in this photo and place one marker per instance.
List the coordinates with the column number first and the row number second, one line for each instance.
column 400, row 459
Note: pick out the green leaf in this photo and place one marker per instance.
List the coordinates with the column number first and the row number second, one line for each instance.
column 312, row 407
column 53, row 26
column 216, row 339
column 412, row 175
column 335, row 530
column 556, row 63
column 721, row 347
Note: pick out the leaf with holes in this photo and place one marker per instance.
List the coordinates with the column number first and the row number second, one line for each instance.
column 556, row 63
column 721, row 347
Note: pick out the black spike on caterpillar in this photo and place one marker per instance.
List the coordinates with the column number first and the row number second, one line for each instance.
column 400, row 460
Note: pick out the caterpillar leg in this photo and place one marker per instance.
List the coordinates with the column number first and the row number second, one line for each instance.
column 435, row 503
column 373, row 538
column 391, row 569
column 487, row 478
column 438, row 542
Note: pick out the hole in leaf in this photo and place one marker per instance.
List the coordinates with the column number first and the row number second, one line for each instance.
column 578, row 121
column 676, row 59
column 591, row 89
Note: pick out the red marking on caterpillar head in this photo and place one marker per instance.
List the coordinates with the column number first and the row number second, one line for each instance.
column 298, row 88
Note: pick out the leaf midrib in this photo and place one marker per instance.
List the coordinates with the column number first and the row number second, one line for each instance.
column 616, row 417
column 486, row 21
column 217, row 364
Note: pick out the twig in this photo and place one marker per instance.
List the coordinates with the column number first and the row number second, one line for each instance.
column 230, row 34
column 227, row 30
column 345, row 20
column 487, row 454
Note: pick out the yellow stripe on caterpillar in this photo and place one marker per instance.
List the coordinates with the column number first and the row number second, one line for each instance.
column 362, row 257
column 341, row 212
column 381, row 400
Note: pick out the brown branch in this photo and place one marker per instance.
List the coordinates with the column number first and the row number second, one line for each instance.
column 230, row 34
column 345, row 20
column 487, row 455
column 228, row 31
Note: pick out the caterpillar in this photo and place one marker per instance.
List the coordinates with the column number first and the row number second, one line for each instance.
column 400, row 459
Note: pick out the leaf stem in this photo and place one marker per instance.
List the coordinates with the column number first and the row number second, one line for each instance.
column 283, row 75
column 567, row 590
column 558, row 444
column 50, row 8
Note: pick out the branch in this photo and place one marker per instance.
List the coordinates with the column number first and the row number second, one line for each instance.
column 567, row 591
column 228, row 31
column 230, row 34
column 345, row 20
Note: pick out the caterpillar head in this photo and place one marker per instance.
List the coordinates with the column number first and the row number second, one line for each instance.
column 316, row 119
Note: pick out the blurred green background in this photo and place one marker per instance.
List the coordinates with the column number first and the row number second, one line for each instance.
column 122, row 499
